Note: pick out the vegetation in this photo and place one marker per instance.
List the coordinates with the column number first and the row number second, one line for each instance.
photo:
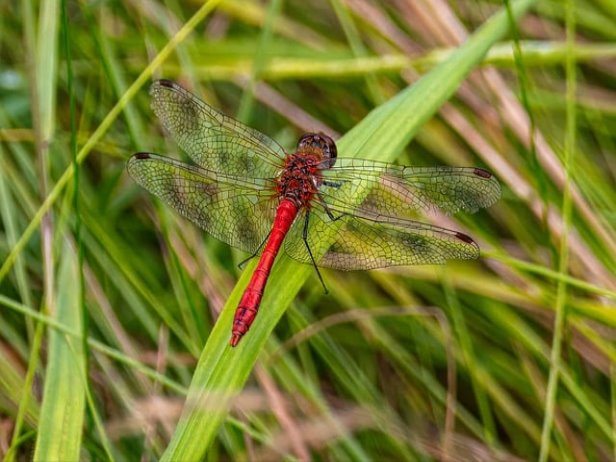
column 116, row 312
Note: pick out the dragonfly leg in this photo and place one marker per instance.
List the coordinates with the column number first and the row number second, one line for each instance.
column 314, row 263
column 328, row 211
column 243, row 262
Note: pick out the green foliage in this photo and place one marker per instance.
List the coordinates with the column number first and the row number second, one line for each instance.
column 59, row 429
column 511, row 355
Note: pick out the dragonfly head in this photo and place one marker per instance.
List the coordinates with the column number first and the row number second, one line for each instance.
column 322, row 143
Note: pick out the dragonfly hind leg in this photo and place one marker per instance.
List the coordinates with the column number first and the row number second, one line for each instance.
column 314, row 263
column 256, row 252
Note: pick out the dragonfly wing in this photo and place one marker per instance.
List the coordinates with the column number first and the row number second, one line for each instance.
column 233, row 210
column 213, row 140
column 400, row 192
column 373, row 241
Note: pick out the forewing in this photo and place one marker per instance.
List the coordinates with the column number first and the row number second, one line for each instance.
column 400, row 192
column 214, row 141
column 375, row 241
column 234, row 210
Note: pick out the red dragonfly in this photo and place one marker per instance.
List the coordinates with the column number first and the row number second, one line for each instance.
column 248, row 192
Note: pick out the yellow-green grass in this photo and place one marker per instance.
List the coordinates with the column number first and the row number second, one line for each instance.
column 510, row 355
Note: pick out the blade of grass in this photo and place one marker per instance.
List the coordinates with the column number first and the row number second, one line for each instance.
column 359, row 51
column 222, row 371
column 259, row 62
column 535, row 54
column 116, row 76
column 12, row 386
column 94, row 344
column 9, row 210
column 62, row 412
column 41, row 61
column 563, row 262
column 469, row 355
column 101, row 130
column 550, row 274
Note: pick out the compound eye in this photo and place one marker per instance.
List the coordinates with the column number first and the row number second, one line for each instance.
column 321, row 142
column 305, row 141
column 330, row 150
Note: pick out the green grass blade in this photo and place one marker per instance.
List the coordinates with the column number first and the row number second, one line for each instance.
column 563, row 263
column 260, row 61
column 62, row 329
column 42, row 68
column 46, row 66
column 222, row 371
column 60, row 427
column 178, row 38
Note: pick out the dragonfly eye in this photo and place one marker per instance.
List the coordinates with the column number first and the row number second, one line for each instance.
column 321, row 142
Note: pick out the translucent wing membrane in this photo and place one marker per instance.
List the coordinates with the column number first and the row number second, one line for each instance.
column 377, row 241
column 232, row 194
column 236, row 211
column 395, row 191
column 380, row 230
column 214, row 141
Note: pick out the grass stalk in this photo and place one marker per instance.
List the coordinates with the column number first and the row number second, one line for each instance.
column 563, row 263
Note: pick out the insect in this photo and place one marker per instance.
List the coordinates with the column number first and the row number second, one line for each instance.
column 247, row 191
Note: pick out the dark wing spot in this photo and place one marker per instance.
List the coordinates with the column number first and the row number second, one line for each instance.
column 464, row 237
column 142, row 155
column 246, row 230
column 248, row 162
column 208, row 188
column 208, row 192
column 482, row 173
column 190, row 119
column 165, row 83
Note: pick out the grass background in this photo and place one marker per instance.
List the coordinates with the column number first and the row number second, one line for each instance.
column 509, row 357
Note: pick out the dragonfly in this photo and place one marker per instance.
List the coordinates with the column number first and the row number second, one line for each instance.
column 246, row 190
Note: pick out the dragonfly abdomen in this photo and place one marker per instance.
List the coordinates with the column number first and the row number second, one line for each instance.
column 251, row 299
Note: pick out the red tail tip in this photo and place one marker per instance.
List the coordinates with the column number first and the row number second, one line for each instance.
column 235, row 339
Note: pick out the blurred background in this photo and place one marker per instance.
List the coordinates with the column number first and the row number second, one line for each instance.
column 411, row 363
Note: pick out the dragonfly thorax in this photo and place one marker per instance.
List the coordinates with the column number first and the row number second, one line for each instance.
column 300, row 177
